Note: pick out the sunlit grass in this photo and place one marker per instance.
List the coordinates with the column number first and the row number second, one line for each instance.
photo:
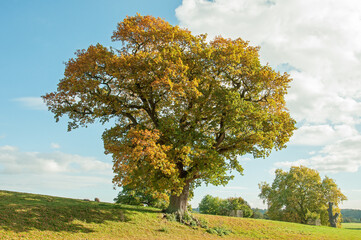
column 353, row 226
column 30, row 216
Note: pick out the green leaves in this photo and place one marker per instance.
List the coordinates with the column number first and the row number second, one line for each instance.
column 192, row 105
column 300, row 194
column 218, row 206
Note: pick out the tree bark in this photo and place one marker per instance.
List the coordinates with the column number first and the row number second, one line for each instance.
column 179, row 203
column 332, row 218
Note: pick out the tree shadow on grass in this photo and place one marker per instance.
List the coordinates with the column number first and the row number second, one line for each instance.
column 54, row 214
column 138, row 209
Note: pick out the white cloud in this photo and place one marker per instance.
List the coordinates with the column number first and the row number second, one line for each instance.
column 235, row 188
column 320, row 39
column 54, row 182
column 341, row 156
column 72, row 186
column 318, row 135
column 56, row 174
column 35, row 103
column 55, row 145
column 316, row 102
column 14, row 161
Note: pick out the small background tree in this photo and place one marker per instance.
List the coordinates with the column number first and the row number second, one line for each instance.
column 300, row 195
column 238, row 203
column 218, row 206
column 210, row 205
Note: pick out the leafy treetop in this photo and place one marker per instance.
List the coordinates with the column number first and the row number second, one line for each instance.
column 300, row 195
column 183, row 108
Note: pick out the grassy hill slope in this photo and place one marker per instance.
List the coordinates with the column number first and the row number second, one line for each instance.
column 31, row 216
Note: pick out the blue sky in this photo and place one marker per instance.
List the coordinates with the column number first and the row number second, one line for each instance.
column 319, row 44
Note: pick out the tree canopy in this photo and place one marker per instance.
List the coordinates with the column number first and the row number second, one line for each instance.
column 300, row 195
column 183, row 107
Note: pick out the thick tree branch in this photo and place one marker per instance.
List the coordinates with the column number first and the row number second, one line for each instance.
column 130, row 116
column 222, row 132
column 149, row 106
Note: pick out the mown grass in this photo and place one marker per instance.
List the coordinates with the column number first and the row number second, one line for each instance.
column 353, row 226
column 30, row 216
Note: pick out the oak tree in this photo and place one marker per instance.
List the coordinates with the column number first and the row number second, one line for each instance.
column 300, row 195
column 183, row 107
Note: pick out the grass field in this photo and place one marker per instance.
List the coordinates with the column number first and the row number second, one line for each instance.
column 30, row 216
column 353, row 226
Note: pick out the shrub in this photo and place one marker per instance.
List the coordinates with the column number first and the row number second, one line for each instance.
column 220, row 231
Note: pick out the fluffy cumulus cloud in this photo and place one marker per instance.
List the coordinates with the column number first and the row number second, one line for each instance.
column 55, row 173
column 13, row 161
column 318, row 43
column 320, row 40
column 319, row 135
column 343, row 155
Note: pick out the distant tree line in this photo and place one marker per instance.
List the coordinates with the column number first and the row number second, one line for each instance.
column 351, row 215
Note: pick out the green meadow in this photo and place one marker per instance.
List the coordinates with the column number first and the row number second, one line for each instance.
column 353, row 226
column 31, row 216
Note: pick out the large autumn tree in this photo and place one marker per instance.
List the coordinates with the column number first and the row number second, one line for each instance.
column 300, row 195
column 183, row 107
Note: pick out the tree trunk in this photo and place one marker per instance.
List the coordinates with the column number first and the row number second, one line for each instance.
column 179, row 203
column 332, row 218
